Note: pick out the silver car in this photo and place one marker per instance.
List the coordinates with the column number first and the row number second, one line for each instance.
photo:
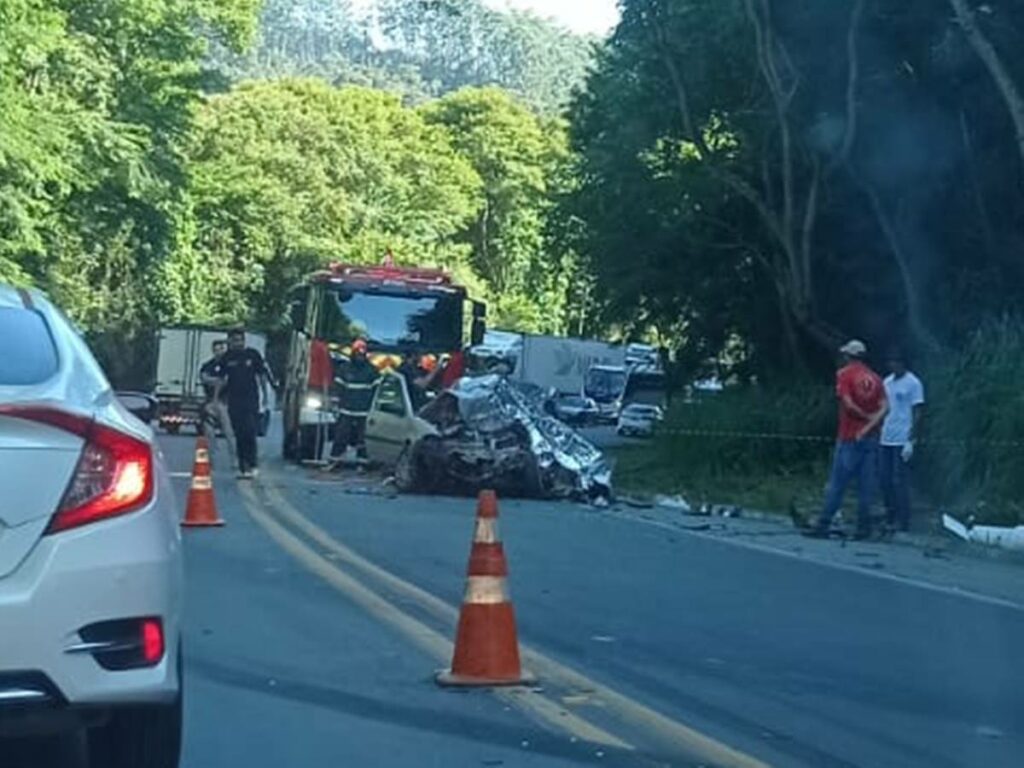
column 639, row 420
column 90, row 553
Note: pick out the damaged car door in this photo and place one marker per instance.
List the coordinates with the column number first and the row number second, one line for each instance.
column 390, row 426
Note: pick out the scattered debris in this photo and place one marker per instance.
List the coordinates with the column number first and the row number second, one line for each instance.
column 800, row 519
column 989, row 535
column 631, row 501
column 494, row 433
column 676, row 503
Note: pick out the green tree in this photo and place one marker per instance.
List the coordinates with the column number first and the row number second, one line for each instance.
column 419, row 49
column 790, row 172
column 286, row 176
column 520, row 158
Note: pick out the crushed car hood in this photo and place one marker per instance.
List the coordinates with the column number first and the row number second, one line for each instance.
column 570, row 466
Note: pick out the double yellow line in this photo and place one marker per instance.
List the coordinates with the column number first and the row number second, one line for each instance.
column 283, row 523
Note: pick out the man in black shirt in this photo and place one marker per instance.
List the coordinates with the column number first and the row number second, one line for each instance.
column 215, row 409
column 243, row 376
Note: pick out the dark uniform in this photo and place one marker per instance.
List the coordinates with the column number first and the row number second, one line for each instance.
column 355, row 379
column 241, row 369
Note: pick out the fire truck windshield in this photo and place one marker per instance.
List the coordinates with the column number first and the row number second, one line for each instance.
column 393, row 321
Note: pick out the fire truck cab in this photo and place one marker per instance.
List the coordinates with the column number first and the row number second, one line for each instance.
column 399, row 311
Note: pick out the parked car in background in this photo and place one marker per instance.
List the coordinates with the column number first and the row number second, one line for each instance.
column 90, row 552
column 576, row 410
column 639, row 419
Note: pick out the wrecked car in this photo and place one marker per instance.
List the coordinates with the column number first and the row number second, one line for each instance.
column 484, row 432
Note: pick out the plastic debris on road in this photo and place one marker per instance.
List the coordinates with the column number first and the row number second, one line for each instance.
column 989, row 535
column 676, row 503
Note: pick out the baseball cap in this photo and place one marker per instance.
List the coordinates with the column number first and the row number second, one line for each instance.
column 854, row 348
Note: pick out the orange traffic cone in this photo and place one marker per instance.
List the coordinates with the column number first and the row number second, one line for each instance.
column 201, row 509
column 486, row 645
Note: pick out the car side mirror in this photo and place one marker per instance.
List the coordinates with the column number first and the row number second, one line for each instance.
column 140, row 405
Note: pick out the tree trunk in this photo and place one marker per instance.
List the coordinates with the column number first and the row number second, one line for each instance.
column 994, row 64
column 910, row 293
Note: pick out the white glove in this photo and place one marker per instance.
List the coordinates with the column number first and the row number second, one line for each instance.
column 908, row 451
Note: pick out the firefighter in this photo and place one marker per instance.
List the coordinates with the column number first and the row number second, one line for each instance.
column 421, row 375
column 356, row 378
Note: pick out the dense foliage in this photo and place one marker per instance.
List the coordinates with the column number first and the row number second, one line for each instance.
column 419, row 48
column 137, row 200
column 763, row 177
column 742, row 181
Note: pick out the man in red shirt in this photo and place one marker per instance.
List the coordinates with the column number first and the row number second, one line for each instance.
column 862, row 406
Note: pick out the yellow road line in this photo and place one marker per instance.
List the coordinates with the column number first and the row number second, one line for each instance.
column 667, row 731
column 426, row 639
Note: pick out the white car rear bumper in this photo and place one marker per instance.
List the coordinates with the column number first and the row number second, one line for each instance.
column 124, row 568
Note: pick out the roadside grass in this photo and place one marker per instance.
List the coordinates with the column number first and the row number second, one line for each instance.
column 643, row 470
column 766, row 447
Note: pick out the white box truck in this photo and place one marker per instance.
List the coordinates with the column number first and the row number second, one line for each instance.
column 561, row 363
column 179, row 388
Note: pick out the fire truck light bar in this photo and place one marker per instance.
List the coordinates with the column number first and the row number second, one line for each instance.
column 394, row 275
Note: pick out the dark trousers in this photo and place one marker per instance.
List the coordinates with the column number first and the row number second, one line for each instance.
column 894, row 474
column 350, row 430
column 854, row 460
column 245, row 423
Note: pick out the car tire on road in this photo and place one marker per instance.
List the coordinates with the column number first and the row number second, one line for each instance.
column 143, row 736
column 406, row 470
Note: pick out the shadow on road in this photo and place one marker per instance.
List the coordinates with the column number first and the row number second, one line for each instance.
column 430, row 720
column 68, row 752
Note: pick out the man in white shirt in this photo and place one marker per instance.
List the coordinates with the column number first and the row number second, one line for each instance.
column 906, row 400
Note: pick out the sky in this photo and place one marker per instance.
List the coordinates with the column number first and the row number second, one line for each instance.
column 596, row 16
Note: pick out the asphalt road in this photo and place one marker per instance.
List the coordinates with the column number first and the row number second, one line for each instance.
column 317, row 617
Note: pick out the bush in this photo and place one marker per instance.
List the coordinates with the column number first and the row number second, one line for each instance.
column 758, row 447
column 753, row 430
column 974, row 424
column 769, row 446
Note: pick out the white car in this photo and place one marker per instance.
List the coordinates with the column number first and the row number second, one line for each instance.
column 638, row 419
column 90, row 553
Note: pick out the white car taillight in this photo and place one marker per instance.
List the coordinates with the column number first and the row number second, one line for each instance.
column 114, row 475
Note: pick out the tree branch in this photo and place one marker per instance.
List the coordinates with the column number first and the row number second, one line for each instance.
column 852, row 83
column 990, row 58
column 807, row 234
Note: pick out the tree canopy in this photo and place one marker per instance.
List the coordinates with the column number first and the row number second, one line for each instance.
column 762, row 177
column 419, row 48
column 286, row 176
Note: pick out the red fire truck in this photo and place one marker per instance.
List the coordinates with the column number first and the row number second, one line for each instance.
column 399, row 311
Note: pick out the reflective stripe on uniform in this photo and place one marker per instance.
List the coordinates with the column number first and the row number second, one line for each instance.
column 352, row 385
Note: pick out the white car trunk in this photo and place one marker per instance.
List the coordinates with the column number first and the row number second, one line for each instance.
column 36, row 466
